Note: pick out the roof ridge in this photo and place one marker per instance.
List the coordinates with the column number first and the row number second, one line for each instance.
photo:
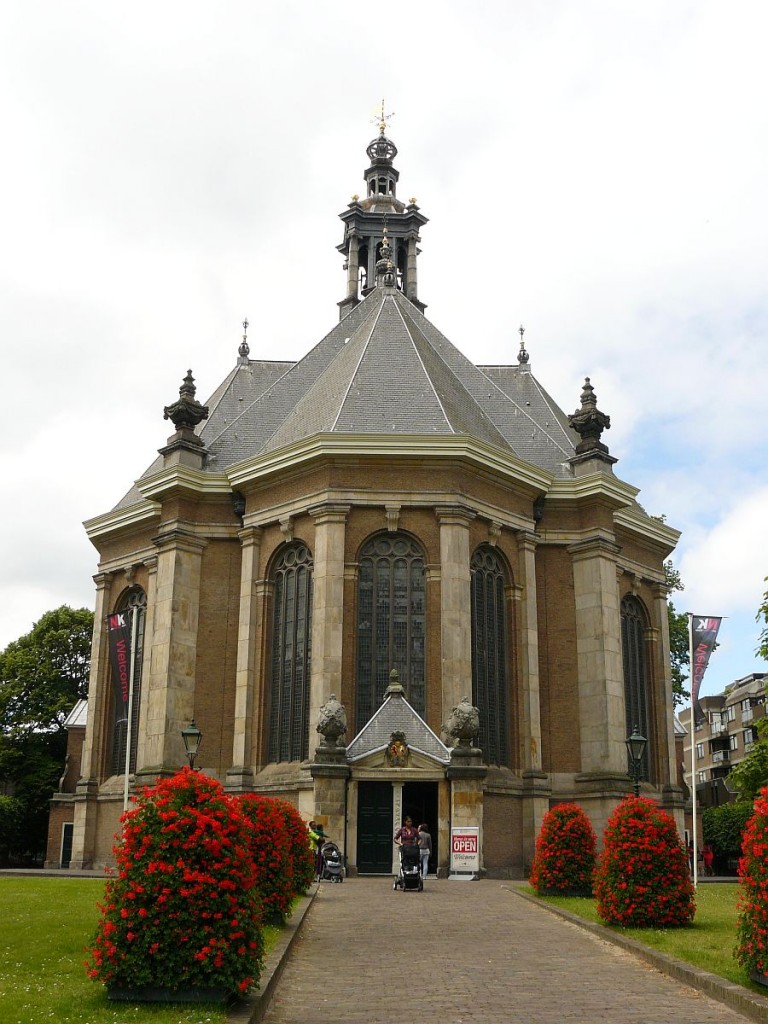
column 421, row 361
column 363, row 349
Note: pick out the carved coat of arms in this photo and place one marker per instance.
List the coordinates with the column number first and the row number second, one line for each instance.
column 397, row 751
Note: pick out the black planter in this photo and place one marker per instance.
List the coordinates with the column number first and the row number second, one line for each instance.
column 161, row 994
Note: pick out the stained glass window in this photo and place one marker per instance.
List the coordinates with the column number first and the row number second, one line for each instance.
column 291, row 650
column 391, row 616
column 489, row 655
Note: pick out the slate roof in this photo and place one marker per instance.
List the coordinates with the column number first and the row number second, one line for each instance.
column 384, row 368
column 396, row 715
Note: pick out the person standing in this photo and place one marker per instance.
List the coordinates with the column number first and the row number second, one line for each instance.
column 406, row 835
column 425, row 848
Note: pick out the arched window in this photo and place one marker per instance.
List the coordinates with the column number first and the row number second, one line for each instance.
column 291, row 649
column 633, row 626
column 489, row 655
column 390, row 622
column 135, row 601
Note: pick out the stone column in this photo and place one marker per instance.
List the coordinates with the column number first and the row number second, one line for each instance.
column 412, row 288
column 327, row 609
column 455, row 601
column 146, row 662
column 96, row 732
column 353, row 260
column 536, row 786
column 599, row 665
column 240, row 775
column 171, row 690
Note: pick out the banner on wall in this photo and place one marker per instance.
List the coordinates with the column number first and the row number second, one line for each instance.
column 119, row 630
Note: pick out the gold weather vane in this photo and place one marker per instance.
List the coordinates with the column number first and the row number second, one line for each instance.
column 381, row 118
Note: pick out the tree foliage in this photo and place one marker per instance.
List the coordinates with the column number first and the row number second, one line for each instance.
column 42, row 675
column 723, row 828
column 679, row 646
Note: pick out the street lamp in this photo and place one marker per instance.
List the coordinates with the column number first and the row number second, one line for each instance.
column 192, row 738
column 636, row 744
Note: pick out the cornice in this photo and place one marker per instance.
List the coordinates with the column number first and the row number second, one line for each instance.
column 122, row 519
column 183, row 478
column 398, row 446
column 636, row 521
column 591, row 486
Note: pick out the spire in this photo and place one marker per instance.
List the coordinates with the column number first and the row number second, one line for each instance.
column 365, row 221
column 187, row 412
column 244, row 348
column 522, row 355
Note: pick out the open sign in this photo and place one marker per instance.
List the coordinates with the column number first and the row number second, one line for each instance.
column 465, row 850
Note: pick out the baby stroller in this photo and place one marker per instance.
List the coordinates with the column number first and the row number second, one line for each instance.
column 333, row 869
column 409, row 876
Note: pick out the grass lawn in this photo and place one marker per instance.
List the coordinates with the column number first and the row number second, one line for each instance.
column 46, row 924
column 707, row 944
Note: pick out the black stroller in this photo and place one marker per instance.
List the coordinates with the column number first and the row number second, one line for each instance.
column 409, row 875
column 333, row 869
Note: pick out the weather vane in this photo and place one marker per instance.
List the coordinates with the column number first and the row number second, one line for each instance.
column 382, row 118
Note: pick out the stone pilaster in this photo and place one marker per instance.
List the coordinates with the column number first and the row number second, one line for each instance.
column 455, row 601
column 240, row 775
column 146, row 663
column 661, row 672
column 598, row 649
column 528, row 660
column 327, row 609
column 96, row 732
column 171, row 689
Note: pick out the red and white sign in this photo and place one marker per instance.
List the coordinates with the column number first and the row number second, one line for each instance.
column 465, row 849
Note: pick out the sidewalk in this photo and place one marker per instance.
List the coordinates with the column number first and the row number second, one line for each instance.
column 471, row 951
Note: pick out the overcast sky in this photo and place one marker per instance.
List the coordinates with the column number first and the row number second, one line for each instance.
column 594, row 170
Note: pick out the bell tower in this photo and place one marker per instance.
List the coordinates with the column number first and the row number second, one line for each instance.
column 380, row 218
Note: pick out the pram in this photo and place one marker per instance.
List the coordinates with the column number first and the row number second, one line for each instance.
column 333, row 869
column 409, row 875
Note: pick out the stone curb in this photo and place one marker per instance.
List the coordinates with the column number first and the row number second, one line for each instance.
column 255, row 1005
column 738, row 998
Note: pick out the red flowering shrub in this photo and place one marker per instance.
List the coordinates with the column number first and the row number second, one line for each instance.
column 565, row 852
column 271, row 851
column 302, row 856
column 182, row 911
column 752, row 946
column 642, row 878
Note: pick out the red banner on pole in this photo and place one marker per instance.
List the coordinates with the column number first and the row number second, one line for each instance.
column 119, row 626
column 703, row 640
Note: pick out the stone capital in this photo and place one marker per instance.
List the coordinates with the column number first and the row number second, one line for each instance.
column 181, row 539
column 454, row 515
column 330, row 512
column 250, row 535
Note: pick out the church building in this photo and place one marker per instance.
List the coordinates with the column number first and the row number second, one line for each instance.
column 382, row 581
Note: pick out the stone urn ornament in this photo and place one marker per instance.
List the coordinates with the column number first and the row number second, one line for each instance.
column 462, row 726
column 331, row 722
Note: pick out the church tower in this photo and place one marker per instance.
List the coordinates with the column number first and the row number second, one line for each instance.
column 380, row 217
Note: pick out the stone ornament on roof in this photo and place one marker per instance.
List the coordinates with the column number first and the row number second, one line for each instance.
column 187, row 412
column 331, row 722
column 589, row 423
column 463, row 724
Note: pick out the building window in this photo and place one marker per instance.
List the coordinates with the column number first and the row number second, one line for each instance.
column 291, row 642
column 701, row 776
column 633, row 624
column 134, row 601
column 730, row 713
column 699, row 750
column 733, row 741
column 391, row 620
column 489, row 655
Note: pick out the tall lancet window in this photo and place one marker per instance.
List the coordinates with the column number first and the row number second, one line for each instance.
column 391, row 619
column 633, row 628
column 291, row 651
column 489, row 654
column 134, row 600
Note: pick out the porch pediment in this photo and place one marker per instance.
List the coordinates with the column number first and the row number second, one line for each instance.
column 396, row 717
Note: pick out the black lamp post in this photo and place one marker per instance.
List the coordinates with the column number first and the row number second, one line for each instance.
column 192, row 738
column 636, row 744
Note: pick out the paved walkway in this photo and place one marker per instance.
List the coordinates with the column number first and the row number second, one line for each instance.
column 463, row 952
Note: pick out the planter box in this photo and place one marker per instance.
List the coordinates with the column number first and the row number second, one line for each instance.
column 761, row 979
column 160, row 994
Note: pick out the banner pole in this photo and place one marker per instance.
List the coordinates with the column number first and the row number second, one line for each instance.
column 129, row 729
column 695, row 865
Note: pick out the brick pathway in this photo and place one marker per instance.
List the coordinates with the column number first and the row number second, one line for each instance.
column 462, row 952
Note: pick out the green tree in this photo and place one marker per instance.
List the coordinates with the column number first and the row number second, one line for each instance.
column 679, row 644
column 42, row 675
column 751, row 774
column 723, row 828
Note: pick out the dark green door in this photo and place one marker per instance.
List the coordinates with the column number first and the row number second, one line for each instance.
column 374, row 828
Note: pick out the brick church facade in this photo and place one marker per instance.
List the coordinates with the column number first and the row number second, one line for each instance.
column 383, row 531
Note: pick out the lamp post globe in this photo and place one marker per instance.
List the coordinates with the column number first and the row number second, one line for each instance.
column 192, row 738
column 636, row 744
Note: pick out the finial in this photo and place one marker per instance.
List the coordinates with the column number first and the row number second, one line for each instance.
column 382, row 118
column 244, row 347
column 187, row 411
column 522, row 355
column 589, row 423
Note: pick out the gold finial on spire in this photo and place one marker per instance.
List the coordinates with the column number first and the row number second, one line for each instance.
column 382, row 118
